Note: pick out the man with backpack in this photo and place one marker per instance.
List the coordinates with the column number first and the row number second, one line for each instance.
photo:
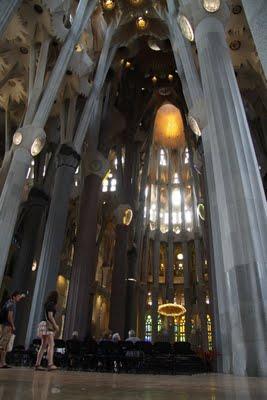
column 7, row 325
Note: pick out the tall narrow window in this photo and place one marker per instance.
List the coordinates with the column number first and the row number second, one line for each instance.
column 186, row 156
column 182, row 329
column 159, row 324
column 148, row 333
column 209, row 332
column 162, row 158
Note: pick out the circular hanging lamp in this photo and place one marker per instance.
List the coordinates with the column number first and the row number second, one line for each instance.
column 171, row 310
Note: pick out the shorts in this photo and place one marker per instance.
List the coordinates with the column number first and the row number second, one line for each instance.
column 43, row 330
column 5, row 336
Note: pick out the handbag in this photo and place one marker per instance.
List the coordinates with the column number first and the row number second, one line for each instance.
column 10, row 343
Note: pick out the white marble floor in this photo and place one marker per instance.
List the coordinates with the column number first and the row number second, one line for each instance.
column 25, row 384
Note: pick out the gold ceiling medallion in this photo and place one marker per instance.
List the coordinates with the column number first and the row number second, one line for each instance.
column 108, row 4
column 136, row 2
column 141, row 23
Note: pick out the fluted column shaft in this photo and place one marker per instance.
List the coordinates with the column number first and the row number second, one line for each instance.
column 241, row 273
column 118, row 287
column 155, row 287
column 10, row 200
column 23, row 277
column 81, row 291
column 49, row 264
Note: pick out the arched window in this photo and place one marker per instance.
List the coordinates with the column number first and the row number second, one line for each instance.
column 209, row 332
column 148, row 331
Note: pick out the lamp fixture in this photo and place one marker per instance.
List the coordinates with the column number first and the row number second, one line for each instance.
column 186, row 27
column 128, row 216
column 17, row 138
column 211, row 5
column 108, row 4
column 201, row 211
column 136, row 2
column 141, row 23
column 170, row 77
column 154, row 79
column 37, row 146
column 194, row 125
column 171, row 310
column 180, row 256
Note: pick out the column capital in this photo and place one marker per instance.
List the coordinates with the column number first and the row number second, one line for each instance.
column 195, row 11
column 31, row 138
column 95, row 163
column 67, row 156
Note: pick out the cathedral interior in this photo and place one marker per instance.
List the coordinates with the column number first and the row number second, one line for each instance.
column 133, row 172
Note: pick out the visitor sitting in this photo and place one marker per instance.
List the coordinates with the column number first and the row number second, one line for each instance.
column 131, row 337
column 116, row 337
column 75, row 336
column 107, row 336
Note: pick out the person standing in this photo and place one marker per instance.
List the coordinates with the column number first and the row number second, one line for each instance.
column 47, row 329
column 7, row 325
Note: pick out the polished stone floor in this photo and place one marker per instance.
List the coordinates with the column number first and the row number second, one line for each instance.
column 25, row 384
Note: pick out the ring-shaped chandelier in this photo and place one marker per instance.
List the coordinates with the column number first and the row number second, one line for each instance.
column 171, row 310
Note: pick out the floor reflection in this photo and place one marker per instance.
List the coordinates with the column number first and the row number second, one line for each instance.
column 18, row 384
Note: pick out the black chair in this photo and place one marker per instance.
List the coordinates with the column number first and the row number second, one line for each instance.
column 162, row 358
column 74, row 348
column 19, row 356
column 60, row 353
column 89, row 355
column 108, row 356
column 145, row 349
column 182, row 348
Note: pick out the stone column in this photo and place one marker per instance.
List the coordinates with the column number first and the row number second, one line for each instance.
column 155, row 287
column 201, row 293
column 241, row 274
column 7, row 10
column 187, row 291
column 170, row 250
column 24, row 277
column 135, row 255
column 49, row 264
column 81, row 291
column 256, row 13
column 10, row 200
column 30, row 134
column 118, row 286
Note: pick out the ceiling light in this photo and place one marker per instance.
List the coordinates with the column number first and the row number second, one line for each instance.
column 170, row 77
column 211, row 5
column 201, row 211
column 136, row 2
column 37, row 146
column 194, row 125
column 17, row 138
column 141, row 23
column 128, row 216
column 180, row 256
column 108, row 4
column 154, row 79
column 186, row 27
column 127, row 64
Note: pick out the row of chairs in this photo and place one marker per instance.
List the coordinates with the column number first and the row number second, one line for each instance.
column 124, row 356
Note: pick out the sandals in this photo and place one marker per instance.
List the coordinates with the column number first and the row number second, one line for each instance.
column 52, row 368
